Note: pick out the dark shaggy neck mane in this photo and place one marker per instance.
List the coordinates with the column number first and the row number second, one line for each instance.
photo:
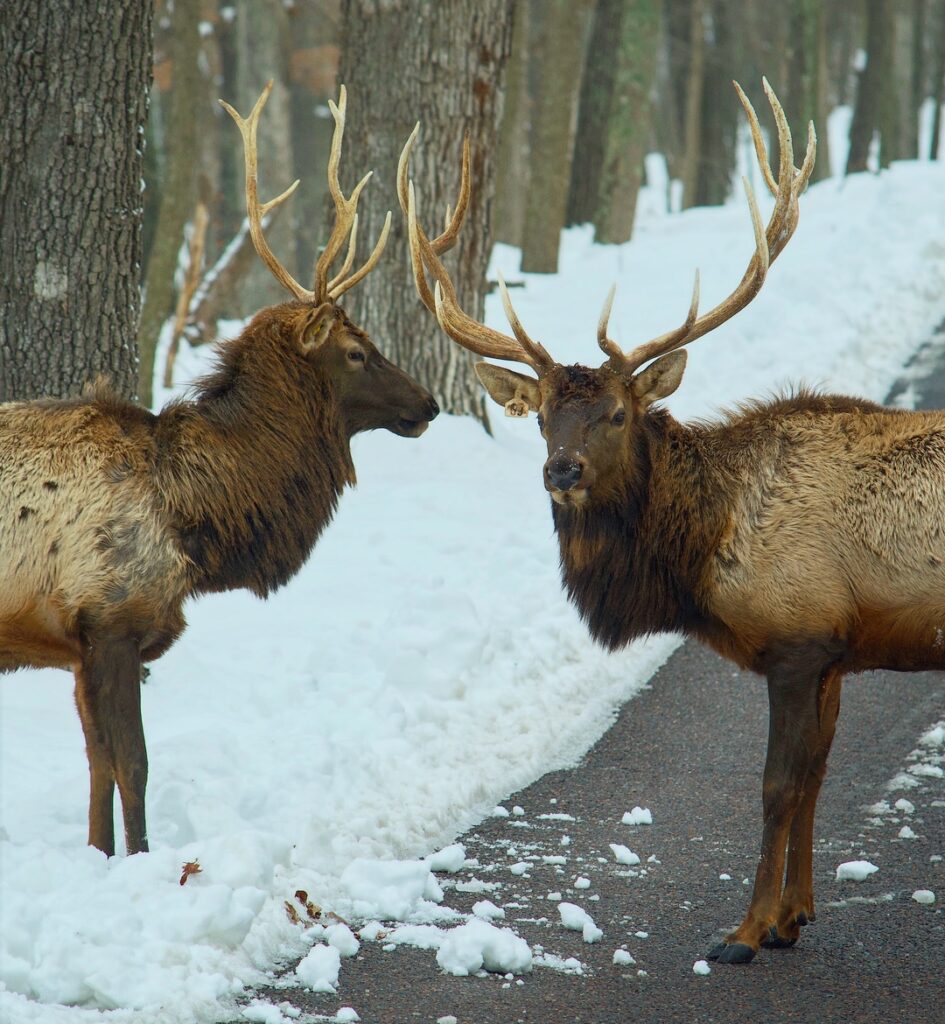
column 633, row 565
column 252, row 468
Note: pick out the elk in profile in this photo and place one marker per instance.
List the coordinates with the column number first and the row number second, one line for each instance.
column 799, row 537
column 111, row 516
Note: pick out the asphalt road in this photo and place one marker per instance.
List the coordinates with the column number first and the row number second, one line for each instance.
column 691, row 748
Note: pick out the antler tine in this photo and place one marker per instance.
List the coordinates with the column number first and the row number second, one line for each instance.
column 255, row 212
column 769, row 241
column 469, row 333
column 454, row 216
column 349, row 255
column 368, row 265
column 536, row 350
column 345, row 214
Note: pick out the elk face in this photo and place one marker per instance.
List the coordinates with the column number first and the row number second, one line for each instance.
column 372, row 392
column 588, row 418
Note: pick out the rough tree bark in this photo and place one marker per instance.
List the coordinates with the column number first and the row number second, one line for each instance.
column 444, row 65
column 692, row 117
column 71, row 132
column 557, row 37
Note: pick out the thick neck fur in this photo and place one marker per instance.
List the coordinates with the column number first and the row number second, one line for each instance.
column 633, row 563
column 252, row 468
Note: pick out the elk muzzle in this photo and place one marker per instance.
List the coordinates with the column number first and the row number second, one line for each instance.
column 566, row 477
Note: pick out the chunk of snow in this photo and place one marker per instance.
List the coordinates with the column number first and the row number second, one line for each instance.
column 450, row 859
column 518, row 811
column 556, row 896
column 487, row 910
column 347, row 1015
column 582, row 883
column 263, row 1013
column 725, row 877
column 389, row 890
column 554, row 860
column 642, row 935
column 623, row 958
column 519, row 868
column 500, row 812
column 638, row 816
column 927, row 771
column 448, row 1019
column 701, row 967
column 478, row 945
column 577, row 919
column 319, row 969
column 906, row 833
column 904, row 805
column 924, row 896
column 342, row 938
column 935, row 737
column 624, row 855
column 855, row 870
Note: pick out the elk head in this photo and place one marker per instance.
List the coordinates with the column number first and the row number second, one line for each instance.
column 592, row 419
column 371, row 391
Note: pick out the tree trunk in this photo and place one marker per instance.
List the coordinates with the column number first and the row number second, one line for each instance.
column 628, row 123
column 443, row 63
column 938, row 87
column 597, row 89
column 718, row 124
column 178, row 188
column 556, row 54
column 70, row 192
column 262, row 48
column 917, row 75
column 806, row 94
column 874, row 95
column 692, row 119
column 512, row 164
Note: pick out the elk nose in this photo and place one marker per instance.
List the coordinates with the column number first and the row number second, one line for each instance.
column 563, row 471
column 433, row 410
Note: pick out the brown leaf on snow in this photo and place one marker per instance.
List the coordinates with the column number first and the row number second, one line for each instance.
column 191, row 867
column 314, row 912
column 292, row 913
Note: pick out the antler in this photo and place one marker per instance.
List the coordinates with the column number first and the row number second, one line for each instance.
column 346, row 218
column 254, row 211
column 769, row 242
column 442, row 301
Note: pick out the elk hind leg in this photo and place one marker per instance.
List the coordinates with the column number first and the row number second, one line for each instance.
column 108, row 697
column 797, row 900
column 794, row 676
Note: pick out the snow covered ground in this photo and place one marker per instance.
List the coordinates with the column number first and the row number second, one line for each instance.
column 424, row 664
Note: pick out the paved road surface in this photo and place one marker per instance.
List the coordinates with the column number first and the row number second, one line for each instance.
column 691, row 749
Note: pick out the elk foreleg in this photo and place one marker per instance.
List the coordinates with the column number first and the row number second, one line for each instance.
column 108, row 697
column 793, row 743
column 797, row 900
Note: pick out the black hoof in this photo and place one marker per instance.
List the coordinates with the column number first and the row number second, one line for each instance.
column 777, row 941
column 732, row 953
column 803, row 919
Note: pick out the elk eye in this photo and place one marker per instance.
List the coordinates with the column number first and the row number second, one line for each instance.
column 541, row 421
column 356, row 355
column 618, row 418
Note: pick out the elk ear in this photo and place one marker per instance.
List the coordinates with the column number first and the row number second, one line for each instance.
column 314, row 328
column 659, row 379
column 517, row 392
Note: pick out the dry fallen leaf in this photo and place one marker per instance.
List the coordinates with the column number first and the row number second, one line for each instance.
column 192, row 867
